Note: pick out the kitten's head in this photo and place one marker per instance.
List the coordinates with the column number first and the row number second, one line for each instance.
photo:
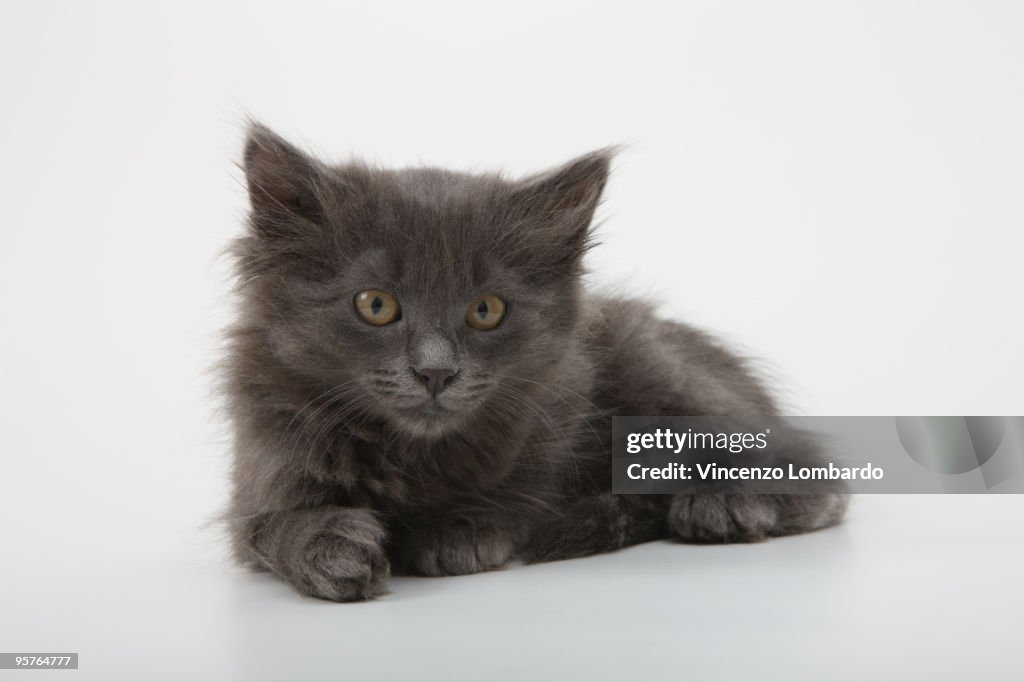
column 415, row 296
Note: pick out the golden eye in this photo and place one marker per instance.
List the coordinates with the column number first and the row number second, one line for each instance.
column 485, row 312
column 377, row 307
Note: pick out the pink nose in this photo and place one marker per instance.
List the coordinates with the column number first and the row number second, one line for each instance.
column 435, row 379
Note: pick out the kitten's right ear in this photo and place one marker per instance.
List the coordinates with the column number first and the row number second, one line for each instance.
column 283, row 182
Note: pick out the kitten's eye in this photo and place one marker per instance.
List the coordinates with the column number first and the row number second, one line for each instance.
column 485, row 312
column 377, row 307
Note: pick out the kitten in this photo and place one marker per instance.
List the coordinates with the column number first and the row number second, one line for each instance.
column 418, row 382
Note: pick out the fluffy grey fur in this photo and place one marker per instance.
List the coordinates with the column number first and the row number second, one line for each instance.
column 347, row 467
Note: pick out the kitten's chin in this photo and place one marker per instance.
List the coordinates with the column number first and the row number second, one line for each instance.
column 429, row 420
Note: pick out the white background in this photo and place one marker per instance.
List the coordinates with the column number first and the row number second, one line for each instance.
column 834, row 187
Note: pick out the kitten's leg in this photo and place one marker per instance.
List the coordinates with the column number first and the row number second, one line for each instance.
column 456, row 547
column 327, row 552
column 656, row 367
column 749, row 518
column 739, row 516
column 597, row 524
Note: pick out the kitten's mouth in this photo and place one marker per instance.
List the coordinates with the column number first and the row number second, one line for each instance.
column 428, row 408
column 429, row 418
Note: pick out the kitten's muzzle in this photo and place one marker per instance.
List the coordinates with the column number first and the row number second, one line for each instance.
column 436, row 379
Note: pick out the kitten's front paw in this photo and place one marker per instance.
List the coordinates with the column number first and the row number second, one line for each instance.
column 749, row 518
column 345, row 562
column 458, row 549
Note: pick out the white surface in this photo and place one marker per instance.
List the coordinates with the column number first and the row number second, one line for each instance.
column 833, row 186
column 911, row 588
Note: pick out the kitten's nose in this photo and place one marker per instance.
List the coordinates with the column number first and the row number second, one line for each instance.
column 436, row 379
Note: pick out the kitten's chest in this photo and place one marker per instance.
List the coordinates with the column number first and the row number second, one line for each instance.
column 391, row 476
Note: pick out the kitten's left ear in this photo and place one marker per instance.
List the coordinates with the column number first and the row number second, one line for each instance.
column 562, row 202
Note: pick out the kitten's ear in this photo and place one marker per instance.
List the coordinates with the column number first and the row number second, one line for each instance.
column 561, row 202
column 283, row 182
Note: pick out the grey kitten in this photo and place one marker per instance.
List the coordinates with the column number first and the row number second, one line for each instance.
column 418, row 382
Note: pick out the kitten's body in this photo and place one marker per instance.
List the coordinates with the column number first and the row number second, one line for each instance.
column 345, row 466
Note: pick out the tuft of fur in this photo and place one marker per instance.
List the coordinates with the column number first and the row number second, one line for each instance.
column 344, row 465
